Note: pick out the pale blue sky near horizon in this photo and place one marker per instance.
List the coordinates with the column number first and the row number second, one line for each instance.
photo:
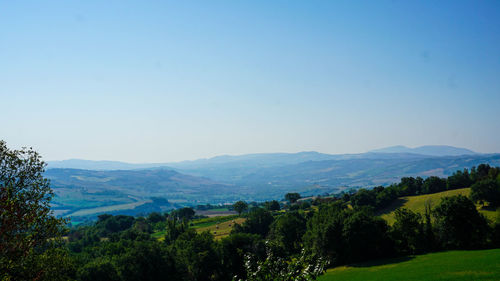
column 162, row 81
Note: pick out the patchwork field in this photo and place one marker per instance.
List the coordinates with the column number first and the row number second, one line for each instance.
column 220, row 226
column 454, row 265
column 216, row 212
column 86, row 212
column 222, row 229
column 417, row 204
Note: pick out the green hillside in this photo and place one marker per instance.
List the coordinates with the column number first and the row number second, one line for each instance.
column 454, row 265
column 417, row 204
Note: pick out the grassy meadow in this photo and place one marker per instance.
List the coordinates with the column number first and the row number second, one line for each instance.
column 453, row 265
column 417, row 204
column 222, row 229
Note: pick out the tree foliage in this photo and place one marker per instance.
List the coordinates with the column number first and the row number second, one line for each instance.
column 293, row 244
column 240, row 207
column 408, row 232
column 292, row 197
column 28, row 230
column 458, row 223
column 486, row 190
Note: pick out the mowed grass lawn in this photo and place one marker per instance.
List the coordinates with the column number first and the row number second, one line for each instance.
column 453, row 265
column 417, row 204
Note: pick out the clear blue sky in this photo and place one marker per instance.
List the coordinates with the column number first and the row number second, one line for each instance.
column 159, row 81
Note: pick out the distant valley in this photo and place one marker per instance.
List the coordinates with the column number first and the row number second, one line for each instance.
column 85, row 188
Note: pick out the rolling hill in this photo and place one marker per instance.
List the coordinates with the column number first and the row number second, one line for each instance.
column 453, row 265
column 417, row 204
column 87, row 192
column 100, row 187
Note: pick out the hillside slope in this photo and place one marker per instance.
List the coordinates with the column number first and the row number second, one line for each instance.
column 86, row 192
column 454, row 265
column 417, row 204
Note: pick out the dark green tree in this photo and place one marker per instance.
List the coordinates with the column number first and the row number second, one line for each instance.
column 459, row 179
column 196, row 256
column 458, row 223
column 99, row 269
column 174, row 229
column 184, row 213
column 292, row 197
column 345, row 236
column 408, row 232
column 240, row 207
column 146, row 260
column 273, row 205
column 434, row 184
column 366, row 237
column 155, row 217
column 234, row 248
column 287, row 230
column 410, row 185
column 28, row 230
column 364, row 197
column 324, row 235
column 258, row 222
column 486, row 190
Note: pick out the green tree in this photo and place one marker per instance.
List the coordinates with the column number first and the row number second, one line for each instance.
column 364, row 197
column 287, row 230
column 258, row 222
column 155, row 217
column 408, row 232
column 273, row 205
column 174, row 229
column 28, row 230
column 234, row 248
column 486, row 190
column 365, row 236
column 240, row 207
column 292, row 197
column 147, row 261
column 411, row 186
column 99, row 269
column 324, row 232
column 434, row 184
column 458, row 223
column 459, row 179
column 345, row 236
column 183, row 213
column 196, row 256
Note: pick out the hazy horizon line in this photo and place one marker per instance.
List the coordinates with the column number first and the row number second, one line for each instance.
column 261, row 153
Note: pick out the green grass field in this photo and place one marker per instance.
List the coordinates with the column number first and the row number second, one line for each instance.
column 417, row 204
column 204, row 222
column 104, row 209
column 221, row 230
column 220, row 227
column 454, row 265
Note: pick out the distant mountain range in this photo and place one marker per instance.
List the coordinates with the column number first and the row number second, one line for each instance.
column 266, row 159
column 86, row 188
column 100, row 165
column 432, row 150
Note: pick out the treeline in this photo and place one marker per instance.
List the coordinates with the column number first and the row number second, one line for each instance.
column 124, row 248
column 483, row 180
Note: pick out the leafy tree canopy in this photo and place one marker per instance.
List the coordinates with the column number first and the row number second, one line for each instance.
column 28, row 230
column 240, row 207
